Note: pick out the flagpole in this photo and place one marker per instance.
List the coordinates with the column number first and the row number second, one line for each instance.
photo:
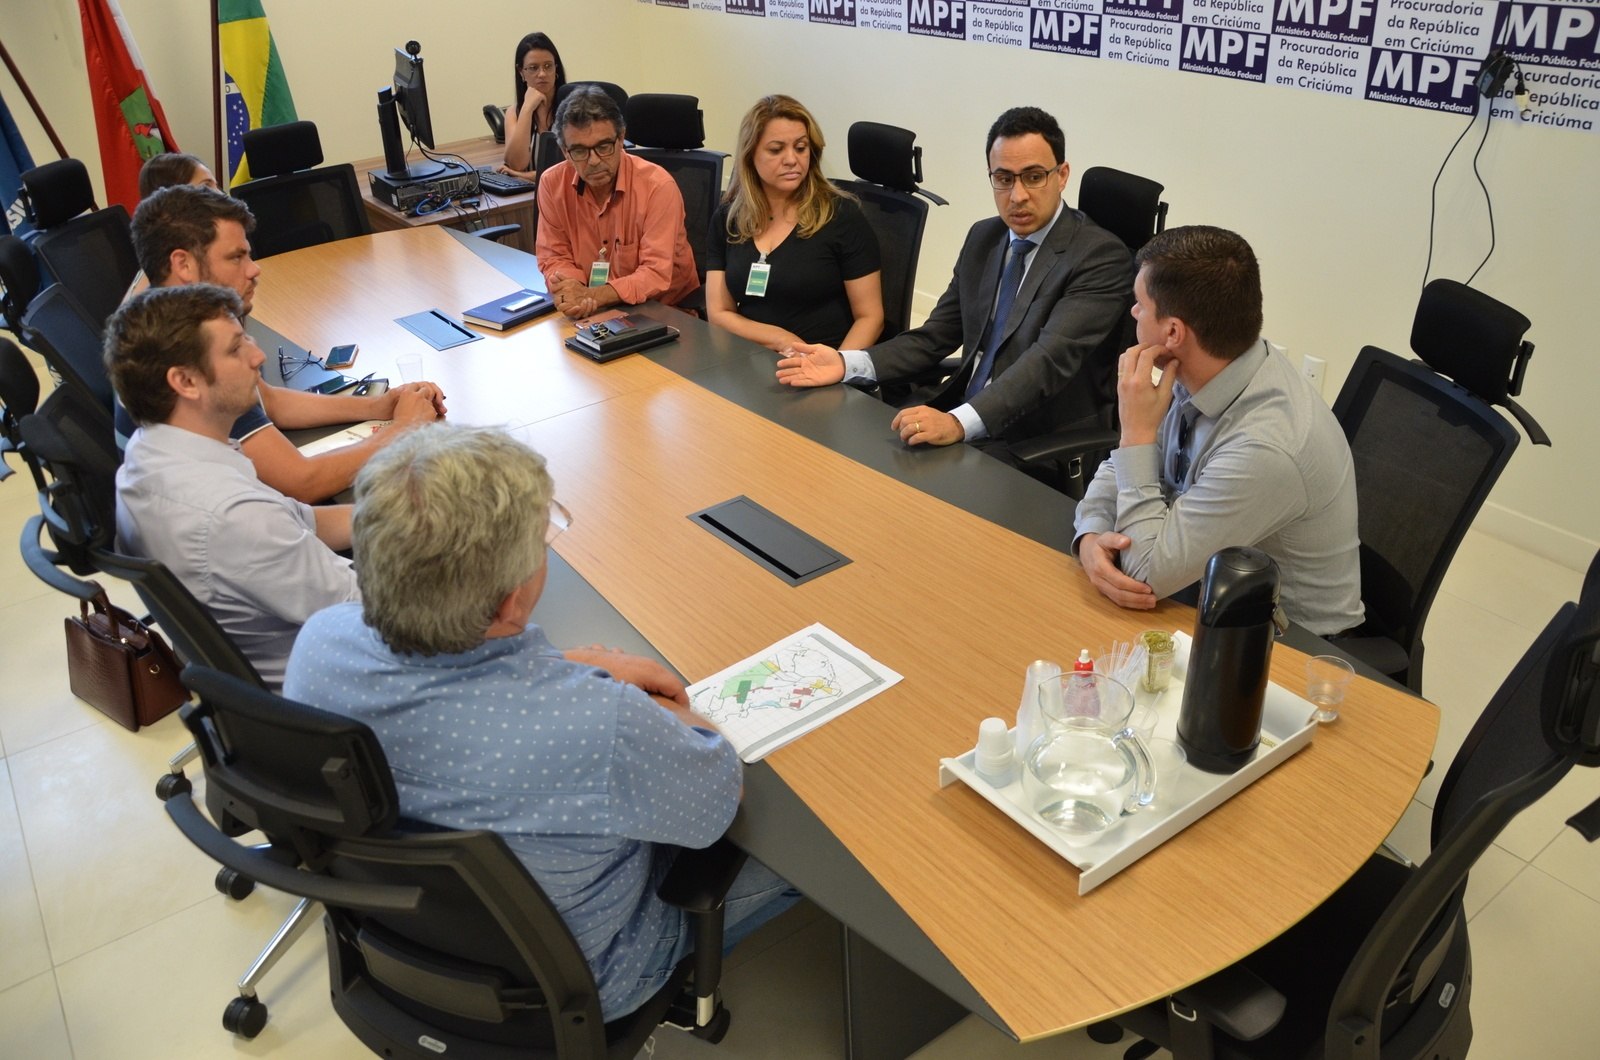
column 27, row 93
column 221, row 163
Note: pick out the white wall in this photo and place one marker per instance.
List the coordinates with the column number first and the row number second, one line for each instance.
column 1333, row 193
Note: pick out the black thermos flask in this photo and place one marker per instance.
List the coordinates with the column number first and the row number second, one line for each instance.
column 1225, row 685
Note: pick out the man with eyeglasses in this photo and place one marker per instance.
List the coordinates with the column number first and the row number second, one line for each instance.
column 1228, row 446
column 191, row 234
column 486, row 724
column 611, row 226
column 1035, row 304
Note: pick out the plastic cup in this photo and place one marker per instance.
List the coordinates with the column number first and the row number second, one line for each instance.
column 1328, row 677
column 410, row 367
column 1168, row 758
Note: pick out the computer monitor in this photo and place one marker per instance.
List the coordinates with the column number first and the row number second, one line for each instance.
column 407, row 101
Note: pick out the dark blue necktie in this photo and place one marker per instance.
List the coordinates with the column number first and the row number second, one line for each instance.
column 1010, row 280
column 1179, row 459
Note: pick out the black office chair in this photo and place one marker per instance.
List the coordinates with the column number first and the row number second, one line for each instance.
column 439, row 942
column 63, row 332
column 1129, row 207
column 19, row 280
column 19, row 396
column 1427, row 452
column 669, row 130
column 298, row 202
column 616, row 92
column 90, row 251
column 77, row 508
column 1125, row 204
column 888, row 170
column 1384, row 968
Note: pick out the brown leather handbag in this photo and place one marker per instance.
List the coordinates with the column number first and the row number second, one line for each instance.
column 120, row 667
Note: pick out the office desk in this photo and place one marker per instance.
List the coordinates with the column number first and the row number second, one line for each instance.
column 520, row 209
column 938, row 590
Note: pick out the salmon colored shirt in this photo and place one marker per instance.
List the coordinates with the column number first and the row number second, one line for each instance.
column 640, row 226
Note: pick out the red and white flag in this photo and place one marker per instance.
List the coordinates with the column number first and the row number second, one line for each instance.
column 127, row 115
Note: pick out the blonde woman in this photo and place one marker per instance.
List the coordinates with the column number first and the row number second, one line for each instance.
column 790, row 258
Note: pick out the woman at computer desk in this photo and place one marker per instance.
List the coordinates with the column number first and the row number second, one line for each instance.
column 790, row 258
column 540, row 75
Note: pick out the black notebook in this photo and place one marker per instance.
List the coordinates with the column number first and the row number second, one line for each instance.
column 519, row 307
column 610, row 339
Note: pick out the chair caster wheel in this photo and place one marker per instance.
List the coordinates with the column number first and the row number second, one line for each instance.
column 237, row 886
column 714, row 1031
column 172, row 784
column 1105, row 1032
column 244, row 1016
column 1140, row 1050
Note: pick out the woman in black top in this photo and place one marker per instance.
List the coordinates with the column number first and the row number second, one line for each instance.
column 539, row 75
column 790, row 258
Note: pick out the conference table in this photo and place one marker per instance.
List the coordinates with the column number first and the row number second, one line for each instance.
column 958, row 578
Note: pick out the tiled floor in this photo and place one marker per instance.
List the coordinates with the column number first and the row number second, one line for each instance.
column 113, row 945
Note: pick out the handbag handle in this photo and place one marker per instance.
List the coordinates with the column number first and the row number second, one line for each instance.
column 102, row 606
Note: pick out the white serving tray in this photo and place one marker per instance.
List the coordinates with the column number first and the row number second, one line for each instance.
column 1286, row 727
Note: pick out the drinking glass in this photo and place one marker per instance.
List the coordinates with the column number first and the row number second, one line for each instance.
column 1328, row 677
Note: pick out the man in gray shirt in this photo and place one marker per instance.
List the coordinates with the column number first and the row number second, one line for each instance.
column 1231, row 446
column 262, row 563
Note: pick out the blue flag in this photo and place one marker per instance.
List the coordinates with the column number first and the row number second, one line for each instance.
column 14, row 161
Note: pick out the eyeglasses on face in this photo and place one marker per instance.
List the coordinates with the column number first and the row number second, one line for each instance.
column 1032, row 179
column 535, row 69
column 604, row 149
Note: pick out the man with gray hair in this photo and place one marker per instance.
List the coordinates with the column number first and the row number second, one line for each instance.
column 610, row 225
column 487, row 725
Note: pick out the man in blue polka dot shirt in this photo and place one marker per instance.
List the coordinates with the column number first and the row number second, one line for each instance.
column 487, row 725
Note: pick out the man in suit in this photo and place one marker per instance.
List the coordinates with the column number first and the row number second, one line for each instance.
column 1036, row 304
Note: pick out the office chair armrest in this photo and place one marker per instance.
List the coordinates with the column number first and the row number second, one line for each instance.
column 41, row 562
column 697, row 883
column 699, row 879
column 498, row 233
column 1064, row 444
column 1383, row 654
column 1236, row 1001
column 368, row 897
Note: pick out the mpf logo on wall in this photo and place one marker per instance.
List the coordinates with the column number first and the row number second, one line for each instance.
column 746, row 7
column 1550, row 35
column 834, row 12
column 1224, row 52
column 1346, row 21
column 1436, row 82
column 938, row 18
column 1072, row 32
column 1164, row 10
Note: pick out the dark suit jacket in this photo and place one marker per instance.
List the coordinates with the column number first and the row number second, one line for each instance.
column 1055, row 367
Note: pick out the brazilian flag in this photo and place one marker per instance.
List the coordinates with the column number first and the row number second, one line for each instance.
column 255, row 90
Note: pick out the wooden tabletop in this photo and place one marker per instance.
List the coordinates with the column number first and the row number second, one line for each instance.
column 957, row 604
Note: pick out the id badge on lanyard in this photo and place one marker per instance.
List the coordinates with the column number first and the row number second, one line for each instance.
column 600, row 271
column 760, row 276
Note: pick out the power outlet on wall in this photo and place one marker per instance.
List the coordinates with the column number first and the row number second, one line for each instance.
column 1314, row 368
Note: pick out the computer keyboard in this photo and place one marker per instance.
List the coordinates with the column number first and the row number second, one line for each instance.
column 503, row 183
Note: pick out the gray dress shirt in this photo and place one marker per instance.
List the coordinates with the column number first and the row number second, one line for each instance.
column 247, row 552
column 1268, row 467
